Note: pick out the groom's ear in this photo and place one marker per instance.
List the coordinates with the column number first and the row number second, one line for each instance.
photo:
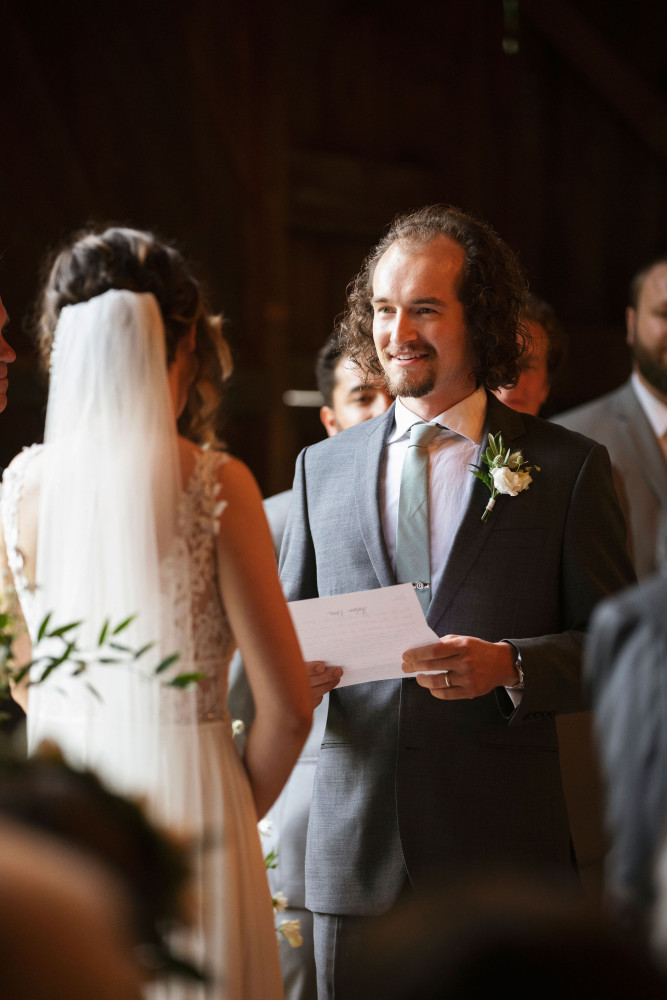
column 328, row 419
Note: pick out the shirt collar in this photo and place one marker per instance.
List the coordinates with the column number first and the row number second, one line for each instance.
column 466, row 418
column 655, row 410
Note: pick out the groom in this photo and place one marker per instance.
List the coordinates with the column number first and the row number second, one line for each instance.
column 442, row 773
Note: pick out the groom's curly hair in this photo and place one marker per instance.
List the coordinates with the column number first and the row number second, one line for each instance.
column 492, row 290
column 100, row 258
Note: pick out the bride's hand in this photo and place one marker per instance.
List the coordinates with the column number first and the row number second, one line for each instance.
column 322, row 679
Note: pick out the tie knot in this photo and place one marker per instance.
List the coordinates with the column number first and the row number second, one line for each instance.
column 421, row 434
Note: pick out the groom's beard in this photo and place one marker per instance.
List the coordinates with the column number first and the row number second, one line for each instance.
column 407, row 384
column 652, row 365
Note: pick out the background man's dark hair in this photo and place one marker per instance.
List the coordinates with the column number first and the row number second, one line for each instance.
column 327, row 360
column 537, row 310
column 637, row 281
column 492, row 291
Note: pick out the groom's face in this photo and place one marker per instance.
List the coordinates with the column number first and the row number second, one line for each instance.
column 419, row 325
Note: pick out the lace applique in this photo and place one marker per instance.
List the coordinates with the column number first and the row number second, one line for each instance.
column 12, row 487
column 212, row 637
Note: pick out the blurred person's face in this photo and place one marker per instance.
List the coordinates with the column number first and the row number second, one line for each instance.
column 647, row 330
column 355, row 398
column 532, row 389
column 7, row 355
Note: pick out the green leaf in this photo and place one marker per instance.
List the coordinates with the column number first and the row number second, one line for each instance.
column 123, row 624
column 119, row 646
column 20, row 674
column 185, row 680
column 271, row 859
column 167, row 662
column 484, row 476
column 95, row 693
column 58, row 633
column 43, row 627
column 103, row 633
column 144, row 649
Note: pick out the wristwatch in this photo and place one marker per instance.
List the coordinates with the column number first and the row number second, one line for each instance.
column 518, row 669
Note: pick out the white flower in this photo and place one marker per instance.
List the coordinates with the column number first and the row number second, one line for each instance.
column 507, row 481
column 238, row 727
column 279, row 902
column 265, row 827
column 291, row 929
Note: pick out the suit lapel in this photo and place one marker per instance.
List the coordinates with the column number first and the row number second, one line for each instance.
column 473, row 534
column 368, row 475
column 634, row 424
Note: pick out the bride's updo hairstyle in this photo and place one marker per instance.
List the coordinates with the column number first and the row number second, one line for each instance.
column 95, row 261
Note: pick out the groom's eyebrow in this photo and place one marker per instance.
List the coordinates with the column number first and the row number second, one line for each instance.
column 424, row 300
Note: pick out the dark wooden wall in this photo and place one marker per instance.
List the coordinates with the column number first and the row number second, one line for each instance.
column 276, row 141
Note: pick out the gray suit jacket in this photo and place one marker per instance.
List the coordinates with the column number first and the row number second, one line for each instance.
column 627, row 666
column 407, row 782
column 640, row 472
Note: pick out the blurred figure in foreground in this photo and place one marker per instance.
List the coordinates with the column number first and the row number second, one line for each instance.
column 627, row 668
column 458, row 943
column 74, row 857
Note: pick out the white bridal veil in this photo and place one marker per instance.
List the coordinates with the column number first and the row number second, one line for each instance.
column 109, row 547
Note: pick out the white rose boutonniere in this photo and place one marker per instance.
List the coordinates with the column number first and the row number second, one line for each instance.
column 508, row 472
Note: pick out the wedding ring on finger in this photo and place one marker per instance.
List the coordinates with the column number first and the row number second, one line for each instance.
column 447, row 680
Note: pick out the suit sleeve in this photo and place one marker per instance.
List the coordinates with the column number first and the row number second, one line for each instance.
column 626, row 659
column 298, row 565
column 594, row 564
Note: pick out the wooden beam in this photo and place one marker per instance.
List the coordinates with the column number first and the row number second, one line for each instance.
column 640, row 105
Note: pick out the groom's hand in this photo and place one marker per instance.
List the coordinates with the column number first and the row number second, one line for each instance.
column 322, row 679
column 472, row 666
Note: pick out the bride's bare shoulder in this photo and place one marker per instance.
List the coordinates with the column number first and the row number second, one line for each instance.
column 233, row 475
column 25, row 470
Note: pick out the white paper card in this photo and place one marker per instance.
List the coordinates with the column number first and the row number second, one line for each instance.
column 365, row 633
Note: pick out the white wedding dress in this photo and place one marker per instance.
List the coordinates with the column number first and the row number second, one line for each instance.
column 201, row 774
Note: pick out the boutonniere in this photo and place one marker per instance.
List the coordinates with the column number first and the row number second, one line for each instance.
column 508, row 472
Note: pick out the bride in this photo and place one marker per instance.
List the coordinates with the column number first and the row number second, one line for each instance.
column 119, row 515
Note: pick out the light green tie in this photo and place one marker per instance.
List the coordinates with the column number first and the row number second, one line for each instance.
column 413, row 558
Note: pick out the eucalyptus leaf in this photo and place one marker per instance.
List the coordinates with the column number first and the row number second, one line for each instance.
column 144, row 649
column 43, row 627
column 58, row 633
column 185, row 680
column 167, row 662
column 103, row 633
column 124, row 624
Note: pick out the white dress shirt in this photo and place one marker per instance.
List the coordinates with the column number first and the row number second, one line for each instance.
column 450, row 478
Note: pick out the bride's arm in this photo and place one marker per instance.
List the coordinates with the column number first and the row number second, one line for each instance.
column 21, row 648
column 263, row 629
